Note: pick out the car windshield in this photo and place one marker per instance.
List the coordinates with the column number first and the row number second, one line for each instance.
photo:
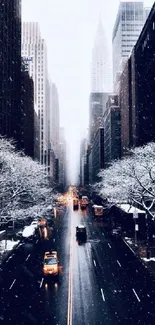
column 50, row 261
column 82, row 229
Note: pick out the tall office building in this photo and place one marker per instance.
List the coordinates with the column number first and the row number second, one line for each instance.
column 54, row 118
column 27, row 114
column 101, row 71
column 62, row 158
column 83, row 161
column 146, row 13
column 10, row 70
column 95, row 160
column 128, row 25
column 97, row 106
column 34, row 53
column 112, row 131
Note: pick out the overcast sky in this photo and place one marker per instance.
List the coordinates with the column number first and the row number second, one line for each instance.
column 69, row 28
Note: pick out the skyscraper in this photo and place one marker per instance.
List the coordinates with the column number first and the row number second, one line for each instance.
column 101, row 72
column 27, row 113
column 97, row 105
column 128, row 25
column 35, row 55
column 83, row 152
column 10, row 69
column 62, row 157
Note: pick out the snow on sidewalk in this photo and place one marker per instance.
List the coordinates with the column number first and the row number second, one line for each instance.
column 140, row 250
column 6, row 246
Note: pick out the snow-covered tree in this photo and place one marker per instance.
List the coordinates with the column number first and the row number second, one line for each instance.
column 131, row 179
column 24, row 184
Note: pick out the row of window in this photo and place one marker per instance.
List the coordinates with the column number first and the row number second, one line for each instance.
column 147, row 38
column 132, row 24
column 130, row 41
column 38, row 57
column 126, row 51
column 124, row 45
column 127, row 35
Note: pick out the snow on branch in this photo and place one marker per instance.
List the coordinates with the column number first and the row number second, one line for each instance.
column 23, row 181
column 132, row 178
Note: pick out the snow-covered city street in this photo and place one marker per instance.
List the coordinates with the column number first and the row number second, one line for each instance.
column 77, row 162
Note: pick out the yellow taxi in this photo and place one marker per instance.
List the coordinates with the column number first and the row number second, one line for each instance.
column 75, row 203
column 50, row 264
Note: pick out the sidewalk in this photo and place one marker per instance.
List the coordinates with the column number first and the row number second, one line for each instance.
column 7, row 245
column 140, row 249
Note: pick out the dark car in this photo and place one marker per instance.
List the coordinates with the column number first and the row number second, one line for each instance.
column 81, row 233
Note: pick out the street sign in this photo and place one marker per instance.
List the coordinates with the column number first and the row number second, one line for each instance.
column 136, row 227
column 135, row 215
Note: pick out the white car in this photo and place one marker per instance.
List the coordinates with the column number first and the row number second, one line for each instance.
column 28, row 232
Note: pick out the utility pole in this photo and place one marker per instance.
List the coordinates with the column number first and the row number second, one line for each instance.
column 135, row 217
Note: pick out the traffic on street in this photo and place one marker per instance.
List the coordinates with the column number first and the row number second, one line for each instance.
column 79, row 274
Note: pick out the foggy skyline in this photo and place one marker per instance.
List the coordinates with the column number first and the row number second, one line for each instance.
column 69, row 28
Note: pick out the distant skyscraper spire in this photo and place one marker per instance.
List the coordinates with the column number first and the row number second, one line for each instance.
column 100, row 69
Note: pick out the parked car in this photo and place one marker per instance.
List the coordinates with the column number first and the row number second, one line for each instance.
column 97, row 210
column 84, row 202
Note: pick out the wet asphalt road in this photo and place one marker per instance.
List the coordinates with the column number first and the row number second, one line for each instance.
column 100, row 282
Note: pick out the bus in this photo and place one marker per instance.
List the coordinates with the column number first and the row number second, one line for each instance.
column 97, row 210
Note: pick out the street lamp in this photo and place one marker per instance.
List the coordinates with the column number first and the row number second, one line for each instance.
column 135, row 217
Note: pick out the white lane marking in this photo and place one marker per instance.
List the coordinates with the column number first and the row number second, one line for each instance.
column 12, row 284
column 94, row 262
column 102, row 233
column 41, row 283
column 53, row 239
column 129, row 247
column 119, row 263
column 109, row 245
column 103, row 297
column 37, row 241
column 27, row 257
column 88, row 248
column 136, row 295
